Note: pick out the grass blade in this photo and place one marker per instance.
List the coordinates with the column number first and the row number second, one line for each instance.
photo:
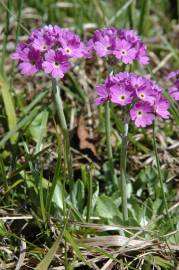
column 90, row 195
column 26, row 120
column 9, row 106
column 75, row 247
column 142, row 18
column 44, row 264
column 119, row 12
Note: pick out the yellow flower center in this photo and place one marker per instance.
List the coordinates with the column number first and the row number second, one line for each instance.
column 68, row 50
column 56, row 64
column 139, row 113
column 107, row 47
column 122, row 97
column 44, row 47
column 33, row 62
column 142, row 95
column 123, row 52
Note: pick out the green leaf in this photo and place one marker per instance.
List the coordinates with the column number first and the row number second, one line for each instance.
column 78, row 195
column 106, row 208
column 58, row 196
column 156, row 260
column 38, row 128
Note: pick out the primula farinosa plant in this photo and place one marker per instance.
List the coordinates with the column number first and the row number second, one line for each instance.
column 125, row 46
column 140, row 99
column 51, row 50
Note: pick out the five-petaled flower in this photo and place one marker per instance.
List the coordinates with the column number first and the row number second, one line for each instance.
column 142, row 114
column 56, row 64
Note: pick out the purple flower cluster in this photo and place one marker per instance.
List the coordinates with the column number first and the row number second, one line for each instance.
column 48, row 49
column 123, row 44
column 174, row 89
column 143, row 97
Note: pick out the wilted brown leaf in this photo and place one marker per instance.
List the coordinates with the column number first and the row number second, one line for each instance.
column 83, row 135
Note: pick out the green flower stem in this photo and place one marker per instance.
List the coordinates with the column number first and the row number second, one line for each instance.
column 63, row 124
column 160, row 174
column 123, row 158
column 108, row 141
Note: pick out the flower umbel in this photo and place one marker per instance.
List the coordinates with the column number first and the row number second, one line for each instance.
column 48, row 49
column 123, row 44
column 142, row 97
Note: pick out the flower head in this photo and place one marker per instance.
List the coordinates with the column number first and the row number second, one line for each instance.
column 146, row 94
column 124, row 51
column 31, row 62
column 173, row 75
column 161, row 107
column 142, row 114
column 71, row 44
column 103, row 92
column 56, row 64
column 121, row 95
column 174, row 89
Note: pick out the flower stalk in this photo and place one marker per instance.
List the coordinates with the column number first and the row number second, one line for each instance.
column 123, row 158
column 63, row 125
column 109, row 146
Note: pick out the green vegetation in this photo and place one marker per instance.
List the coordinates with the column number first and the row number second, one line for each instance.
column 53, row 216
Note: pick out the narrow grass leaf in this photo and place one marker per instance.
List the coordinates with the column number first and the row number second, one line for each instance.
column 24, row 121
column 90, row 196
column 44, row 264
column 9, row 106
column 55, row 179
column 75, row 247
column 119, row 12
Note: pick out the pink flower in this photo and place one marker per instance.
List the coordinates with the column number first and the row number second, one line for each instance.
column 71, row 44
column 174, row 91
column 31, row 62
column 146, row 94
column 142, row 114
column 124, row 52
column 56, row 64
column 173, row 75
column 103, row 47
column 121, row 95
column 41, row 44
column 161, row 107
column 142, row 54
column 103, row 94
